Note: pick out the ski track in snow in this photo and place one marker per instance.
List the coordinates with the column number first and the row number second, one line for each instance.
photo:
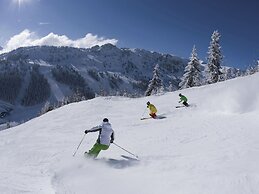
column 209, row 148
column 53, row 84
column 56, row 90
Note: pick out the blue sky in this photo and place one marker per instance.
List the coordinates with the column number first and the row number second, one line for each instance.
column 167, row 26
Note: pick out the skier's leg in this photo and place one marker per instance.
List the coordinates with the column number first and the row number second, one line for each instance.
column 153, row 115
column 185, row 103
column 103, row 147
column 96, row 149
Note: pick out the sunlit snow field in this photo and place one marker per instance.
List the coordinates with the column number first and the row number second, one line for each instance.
column 211, row 147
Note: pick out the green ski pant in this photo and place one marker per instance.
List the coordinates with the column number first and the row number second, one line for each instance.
column 96, row 149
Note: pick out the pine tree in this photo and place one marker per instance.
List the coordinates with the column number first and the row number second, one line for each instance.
column 155, row 84
column 170, row 87
column 214, row 59
column 252, row 69
column 192, row 75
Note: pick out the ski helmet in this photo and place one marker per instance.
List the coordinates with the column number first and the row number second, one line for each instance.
column 148, row 103
column 105, row 120
column 180, row 94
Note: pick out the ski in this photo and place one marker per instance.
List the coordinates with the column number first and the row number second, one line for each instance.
column 180, row 106
column 157, row 117
column 190, row 105
column 129, row 158
column 160, row 117
column 146, row 118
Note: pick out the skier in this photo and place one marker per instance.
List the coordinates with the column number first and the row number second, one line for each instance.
column 184, row 100
column 106, row 136
column 152, row 109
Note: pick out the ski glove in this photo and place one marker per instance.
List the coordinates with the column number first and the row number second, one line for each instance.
column 86, row 131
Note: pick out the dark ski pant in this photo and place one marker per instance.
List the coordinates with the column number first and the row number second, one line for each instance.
column 153, row 115
column 97, row 147
column 185, row 103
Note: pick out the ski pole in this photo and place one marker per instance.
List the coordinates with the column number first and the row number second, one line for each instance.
column 125, row 150
column 143, row 113
column 79, row 145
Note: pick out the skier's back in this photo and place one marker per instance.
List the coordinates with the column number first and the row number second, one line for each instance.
column 184, row 100
column 152, row 109
column 106, row 136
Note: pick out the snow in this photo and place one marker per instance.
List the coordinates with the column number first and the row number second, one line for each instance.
column 93, row 58
column 56, row 90
column 44, row 63
column 210, row 148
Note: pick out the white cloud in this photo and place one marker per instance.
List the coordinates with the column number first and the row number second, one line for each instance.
column 43, row 23
column 28, row 38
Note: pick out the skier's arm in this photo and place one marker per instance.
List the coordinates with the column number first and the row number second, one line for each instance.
column 94, row 129
column 181, row 99
column 112, row 137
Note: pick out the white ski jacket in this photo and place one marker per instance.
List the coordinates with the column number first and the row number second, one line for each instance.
column 106, row 133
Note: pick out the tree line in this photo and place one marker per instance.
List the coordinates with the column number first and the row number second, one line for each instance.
column 38, row 90
column 71, row 77
column 10, row 85
column 193, row 73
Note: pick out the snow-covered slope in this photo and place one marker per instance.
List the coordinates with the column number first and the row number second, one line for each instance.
column 210, row 148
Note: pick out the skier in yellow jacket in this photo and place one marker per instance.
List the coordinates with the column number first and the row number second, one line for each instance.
column 152, row 109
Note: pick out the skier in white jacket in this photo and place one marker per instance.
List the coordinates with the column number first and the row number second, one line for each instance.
column 106, row 136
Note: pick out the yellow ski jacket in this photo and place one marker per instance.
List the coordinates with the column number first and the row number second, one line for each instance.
column 152, row 108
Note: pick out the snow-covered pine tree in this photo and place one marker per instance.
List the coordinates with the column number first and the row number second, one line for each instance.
column 229, row 73
column 214, row 59
column 192, row 75
column 155, row 84
column 170, row 87
column 252, row 69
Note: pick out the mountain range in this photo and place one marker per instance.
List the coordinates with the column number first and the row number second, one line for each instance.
column 32, row 76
